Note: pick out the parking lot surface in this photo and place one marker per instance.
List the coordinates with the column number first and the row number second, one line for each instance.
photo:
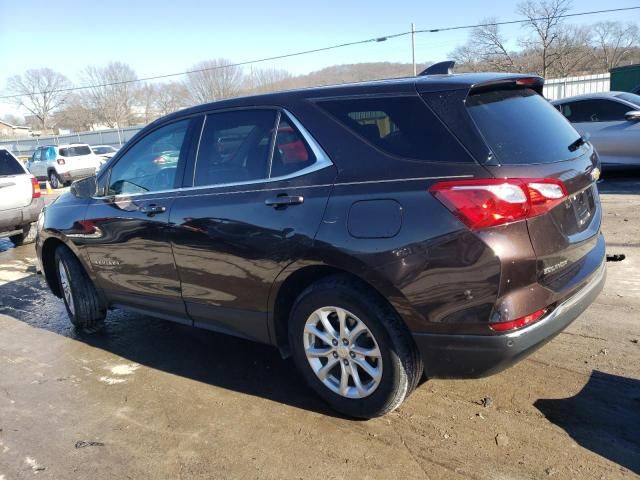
column 151, row 399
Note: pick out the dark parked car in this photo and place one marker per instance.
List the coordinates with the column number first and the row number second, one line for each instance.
column 445, row 223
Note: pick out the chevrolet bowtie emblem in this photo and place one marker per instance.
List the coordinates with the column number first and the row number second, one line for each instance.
column 595, row 174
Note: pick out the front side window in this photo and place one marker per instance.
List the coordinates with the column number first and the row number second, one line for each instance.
column 151, row 164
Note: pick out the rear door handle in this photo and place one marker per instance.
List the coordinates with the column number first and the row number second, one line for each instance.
column 284, row 201
column 151, row 210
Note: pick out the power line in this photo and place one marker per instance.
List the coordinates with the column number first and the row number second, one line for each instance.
column 320, row 49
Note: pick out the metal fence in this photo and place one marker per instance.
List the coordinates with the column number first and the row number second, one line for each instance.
column 555, row 88
column 115, row 137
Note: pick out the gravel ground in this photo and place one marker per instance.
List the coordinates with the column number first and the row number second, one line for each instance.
column 152, row 399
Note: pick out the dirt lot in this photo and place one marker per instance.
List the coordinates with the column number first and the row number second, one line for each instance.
column 152, row 399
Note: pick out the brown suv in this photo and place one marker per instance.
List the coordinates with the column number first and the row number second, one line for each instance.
column 447, row 223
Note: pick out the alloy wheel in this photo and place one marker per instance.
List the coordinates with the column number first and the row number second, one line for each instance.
column 342, row 352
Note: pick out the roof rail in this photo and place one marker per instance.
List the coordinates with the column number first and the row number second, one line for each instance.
column 440, row 68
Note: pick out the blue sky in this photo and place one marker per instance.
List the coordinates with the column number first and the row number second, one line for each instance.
column 157, row 37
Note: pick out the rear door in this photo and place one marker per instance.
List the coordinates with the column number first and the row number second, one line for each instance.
column 15, row 183
column 253, row 205
column 528, row 138
column 126, row 230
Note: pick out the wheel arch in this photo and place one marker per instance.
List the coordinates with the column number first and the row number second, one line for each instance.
column 49, row 247
column 298, row 276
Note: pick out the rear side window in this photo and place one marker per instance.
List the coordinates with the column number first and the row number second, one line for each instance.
column 9, row 165
column 75, row 151
column 521, row 127
column 235, row 147
column 400, row 126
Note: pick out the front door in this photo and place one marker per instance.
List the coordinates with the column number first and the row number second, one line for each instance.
column 246, row 217
column 125, row 231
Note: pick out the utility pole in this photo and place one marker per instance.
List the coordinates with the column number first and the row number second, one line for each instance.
column 413, row 47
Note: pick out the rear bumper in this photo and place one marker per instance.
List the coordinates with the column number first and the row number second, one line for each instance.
column 14, row 219
column 72, row 175
column 473, row 356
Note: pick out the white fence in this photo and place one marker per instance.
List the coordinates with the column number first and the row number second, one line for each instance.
column 114, row 137
column 555, row 88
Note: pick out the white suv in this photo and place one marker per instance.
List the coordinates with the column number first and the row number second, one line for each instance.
column 62, row 164
column 20, row 200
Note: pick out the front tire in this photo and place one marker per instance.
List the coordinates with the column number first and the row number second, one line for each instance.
column 28, row 235
column 352, row 348
column 78, row 292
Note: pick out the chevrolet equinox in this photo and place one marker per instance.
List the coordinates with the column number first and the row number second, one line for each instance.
column 444, row 225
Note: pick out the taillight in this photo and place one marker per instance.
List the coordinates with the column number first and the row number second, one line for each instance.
column 35, row 188
column 485, row 203
column 60, row 161
column 518, row 322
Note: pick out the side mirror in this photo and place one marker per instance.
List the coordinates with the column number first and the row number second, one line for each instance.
column 633, row 115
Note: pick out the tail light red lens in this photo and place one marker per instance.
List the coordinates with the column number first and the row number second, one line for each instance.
column 485, row 203
column 60, row 161
column 35, row 188
column 518, row 322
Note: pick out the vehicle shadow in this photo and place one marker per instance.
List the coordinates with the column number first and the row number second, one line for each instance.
column 603, row 417
column 620, row 181
column 208, row 357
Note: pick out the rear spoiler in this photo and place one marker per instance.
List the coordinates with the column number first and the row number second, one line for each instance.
column 535, row 83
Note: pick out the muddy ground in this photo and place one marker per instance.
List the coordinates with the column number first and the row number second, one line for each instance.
column 152, row 399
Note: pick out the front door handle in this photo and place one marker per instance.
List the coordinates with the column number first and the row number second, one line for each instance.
column 151, row 210
column 282, row 201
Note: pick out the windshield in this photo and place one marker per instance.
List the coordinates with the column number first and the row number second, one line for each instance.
column 521, row 127
column 103, row 150
column 630, row 97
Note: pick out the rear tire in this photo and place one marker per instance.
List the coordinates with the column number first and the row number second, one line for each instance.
column 78, row 292
column 393, row 366
column 54, row 180
column 28, row 235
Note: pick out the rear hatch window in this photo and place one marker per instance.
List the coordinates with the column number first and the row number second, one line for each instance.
column 9, row 165
column 522, row 128
column 75, row 151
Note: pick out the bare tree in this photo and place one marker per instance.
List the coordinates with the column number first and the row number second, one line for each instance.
column 113, row 92
column 12, row 119
column 613, row 42
column 170, row 97
column 75, row 115
column 544, row 18
column 213, row 80
column 40, row 91
column 267, row 79
column 572, row 51
column 491, row 48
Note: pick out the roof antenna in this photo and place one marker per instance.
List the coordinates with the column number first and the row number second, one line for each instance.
column 440, row 68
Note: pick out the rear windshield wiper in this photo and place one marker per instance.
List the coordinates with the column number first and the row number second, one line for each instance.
column 577, row 144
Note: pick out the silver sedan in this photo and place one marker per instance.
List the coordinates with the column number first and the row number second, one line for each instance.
column 610, row 120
